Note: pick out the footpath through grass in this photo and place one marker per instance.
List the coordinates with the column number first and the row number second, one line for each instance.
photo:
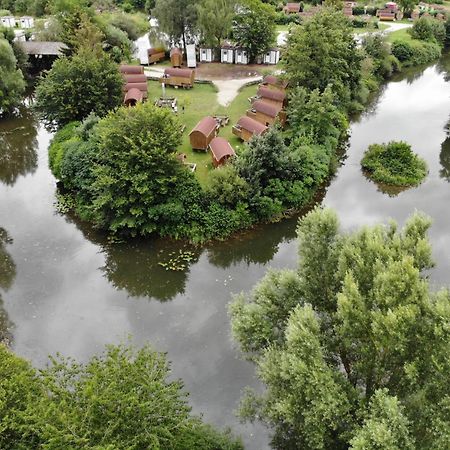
column 196, row 103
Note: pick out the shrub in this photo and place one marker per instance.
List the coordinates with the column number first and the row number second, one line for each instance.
column 416, row 53
column 429, row 30
column 394, row 163
column 58, row 147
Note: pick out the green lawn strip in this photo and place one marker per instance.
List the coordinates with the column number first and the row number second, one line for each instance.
column 201, row 101
column 400, row 36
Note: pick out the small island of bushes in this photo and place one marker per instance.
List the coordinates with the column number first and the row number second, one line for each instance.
column 394, row 163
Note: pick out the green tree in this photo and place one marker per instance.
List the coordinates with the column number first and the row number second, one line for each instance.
column 357, row 317
column 12, row 84
column 215, row 18
column 121, row 399
column 177, row 18
column 254, row 26
column 321, row 52
column 74, row 87
column 408, row 6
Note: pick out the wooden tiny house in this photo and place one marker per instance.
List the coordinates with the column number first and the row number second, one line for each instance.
column 272, row 56
column 227, row 54
column 272, row 96
column 206, row 54
column 133, row 97
column 240, row 56
column 292, row 8
column 203, row 133
column 124, row 68
column 266, row 113
column 143, row 87
column 178, row 77
column 134, row 77
column 247, row 127
column 221, row 151
column 176, row 57
column 155, row 55
column 273, row 82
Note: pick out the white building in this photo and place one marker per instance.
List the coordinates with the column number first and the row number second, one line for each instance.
column 227, row 54
column 272, row 56
column 26, row 22
column 241, row 56
column 8, row 21
column 191, row 57
column 206, row 54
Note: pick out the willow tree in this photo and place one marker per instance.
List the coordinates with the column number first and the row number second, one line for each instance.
column 352, row 343
column 215, row 18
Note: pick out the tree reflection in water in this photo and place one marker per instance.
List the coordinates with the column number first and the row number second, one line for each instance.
column 7, row 275
column 444, row 156
column 18, row 146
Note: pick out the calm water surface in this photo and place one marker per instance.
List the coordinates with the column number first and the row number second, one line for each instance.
column 64, row 288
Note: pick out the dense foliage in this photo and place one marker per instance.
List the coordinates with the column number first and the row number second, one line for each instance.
column 254, row 27
column 76, row 86
column 121, row 399
column 394, row 163
column 321, row 52
column 215, row 18
column 12, row 85
column 352, row 346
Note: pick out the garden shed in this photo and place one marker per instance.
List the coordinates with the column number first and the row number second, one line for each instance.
column 266, row 113
column 272, row 56
column 221, row 151
column 203, row 133
column 292, row 8
column 155, row 55
column 178, row 77
column 26, row 22
column 133, row 97
column 124, row 68
column 206, row 54
column 273, row 82
column 275, row 97
column 246, row 127
column 240, row 56
column 227, row 53
column 8, row 21
column 135, row 77
column 176, row 57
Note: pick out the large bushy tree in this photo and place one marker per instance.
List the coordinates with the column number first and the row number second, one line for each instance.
column 12, row 84
column 215, row 18
column 254, row 26
column 121, row 399
column 353, row 346
column 177, row 18
column 322, row 52
column 87, row 82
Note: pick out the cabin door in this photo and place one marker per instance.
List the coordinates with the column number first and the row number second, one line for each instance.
column 239, row 57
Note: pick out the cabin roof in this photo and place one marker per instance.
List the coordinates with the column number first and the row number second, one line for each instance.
column 135, row 77
column 143, row 87
column 154, row 51
column 249, row 124
column 176, row 72
column 124, row 68
column 206, row 126
column 134, row 94
column 43, row 48
column 271, row 94
column 266, row 108
column 274, row 81
column 292, row 7
column 220, row 148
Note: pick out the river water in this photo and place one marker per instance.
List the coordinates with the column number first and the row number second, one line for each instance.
column 66, row 289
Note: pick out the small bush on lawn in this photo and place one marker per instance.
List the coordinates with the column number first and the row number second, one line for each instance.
column 394, row 163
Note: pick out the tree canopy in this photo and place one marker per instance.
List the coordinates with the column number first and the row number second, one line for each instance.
column 121, row 399
column 353, row 346
column 254, row 26
column 12, row 84
column 215, row 18
column 76, row 86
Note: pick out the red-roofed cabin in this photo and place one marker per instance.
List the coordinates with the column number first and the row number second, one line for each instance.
column 275, row 97
column 133, row 97
column 386, row 14
column 266, row 113
column 131, row 69
column 273, row 82
column 348, row 11
column 203, row 133
column 247, row 127
column 221, row 151
column 134, row 78
column 178, row 77
column 292, row 8
column 155, row 55
column 143, row 87
column 176, row 57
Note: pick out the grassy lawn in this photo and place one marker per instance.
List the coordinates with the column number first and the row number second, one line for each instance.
column 199, row 102
column 282, row 28
column 400, row 35
column 381, row 27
